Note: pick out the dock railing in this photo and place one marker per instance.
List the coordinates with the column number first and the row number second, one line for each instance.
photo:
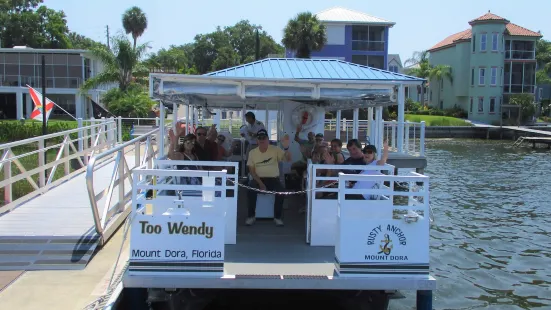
column 108, row 216
column 35, row 161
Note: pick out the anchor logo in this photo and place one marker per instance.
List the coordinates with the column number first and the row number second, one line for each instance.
column 386, row 245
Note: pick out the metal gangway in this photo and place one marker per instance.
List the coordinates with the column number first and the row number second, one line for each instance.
column 66, row 193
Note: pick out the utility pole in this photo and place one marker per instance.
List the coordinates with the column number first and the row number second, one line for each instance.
column 107, row 36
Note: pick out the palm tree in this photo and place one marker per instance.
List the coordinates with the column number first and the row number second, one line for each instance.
column 304, row 34
column 420, row 68
column 121, row 64
column 134, row 21
column 439, row 73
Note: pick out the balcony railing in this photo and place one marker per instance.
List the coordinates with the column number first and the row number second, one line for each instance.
column 372, row 46
column 525, row 55
column 36, row 81
column 519, row 89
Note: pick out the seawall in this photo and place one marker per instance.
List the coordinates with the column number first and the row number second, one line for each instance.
column 465, row 132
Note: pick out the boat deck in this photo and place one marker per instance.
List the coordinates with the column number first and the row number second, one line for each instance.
column 270, row 257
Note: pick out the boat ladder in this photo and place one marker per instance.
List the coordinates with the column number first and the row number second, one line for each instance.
column 519, row 141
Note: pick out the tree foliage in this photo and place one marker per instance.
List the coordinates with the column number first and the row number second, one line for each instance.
column 220, row 49
column 304, row 34
column 122, row 64
column 526, row 103
column 27, row 23
column 134, row 22
column 132, row 102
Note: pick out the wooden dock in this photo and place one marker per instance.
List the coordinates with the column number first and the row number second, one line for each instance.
column 534, row 140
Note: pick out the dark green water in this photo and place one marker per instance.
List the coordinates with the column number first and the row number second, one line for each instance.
column 491, row 245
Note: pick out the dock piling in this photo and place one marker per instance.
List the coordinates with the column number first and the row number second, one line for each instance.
column 424, row 300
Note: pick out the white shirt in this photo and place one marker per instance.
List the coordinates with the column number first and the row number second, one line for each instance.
column 254, row 128
column 368, row 184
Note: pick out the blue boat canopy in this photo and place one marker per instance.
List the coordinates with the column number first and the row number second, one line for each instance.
column 331, row 83
column 299, row 68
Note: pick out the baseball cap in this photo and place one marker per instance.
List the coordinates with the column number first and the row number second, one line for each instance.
column 319, row 135
column 369, row 147
column 261, row 133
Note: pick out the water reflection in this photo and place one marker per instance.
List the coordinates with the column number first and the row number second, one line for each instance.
column 491, row 246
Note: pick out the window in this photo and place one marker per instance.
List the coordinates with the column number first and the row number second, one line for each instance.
column 481, row 76
column 483, row 42
column 480, row 104
column 495, row 44
column 472, row 77
column 471, row 106
column 493, row 80
column 393, row 69
column 501, row 77
column 442, row 84
column 492, row 105
column 474, row 43
column 540, row 93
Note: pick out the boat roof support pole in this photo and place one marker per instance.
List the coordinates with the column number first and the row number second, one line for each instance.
column 175, row 112
column 380, row 132
column 243, row 111
column 401, row 116
column 187, row 118
column 161, row 138
column 338, row 124
column 355, row 127
column 267, row 123
column 370, row 125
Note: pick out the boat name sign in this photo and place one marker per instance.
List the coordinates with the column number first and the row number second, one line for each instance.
column 177, row 238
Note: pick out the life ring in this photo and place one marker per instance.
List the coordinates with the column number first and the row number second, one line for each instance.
column 305, row 116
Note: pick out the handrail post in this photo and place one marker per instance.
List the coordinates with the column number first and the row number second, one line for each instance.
column 41, row 163
column 393, row 125
column 122, row 178
column 119, row 131
column 8, row 197
column 80, row 135
column 422, row 139
column 406, row 137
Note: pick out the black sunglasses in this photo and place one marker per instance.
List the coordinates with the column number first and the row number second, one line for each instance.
column 368, row 152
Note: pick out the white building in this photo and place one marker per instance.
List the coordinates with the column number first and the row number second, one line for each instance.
column 394, row 63
column 66, row 70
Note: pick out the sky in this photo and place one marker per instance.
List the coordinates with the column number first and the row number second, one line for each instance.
column 419, row 24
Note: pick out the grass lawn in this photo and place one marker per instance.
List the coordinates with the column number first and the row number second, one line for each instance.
column 434, row 120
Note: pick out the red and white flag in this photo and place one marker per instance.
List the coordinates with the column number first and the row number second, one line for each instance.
column 37, row 99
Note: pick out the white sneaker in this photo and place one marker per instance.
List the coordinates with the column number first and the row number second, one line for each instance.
column 250, row 221
column 278, row 222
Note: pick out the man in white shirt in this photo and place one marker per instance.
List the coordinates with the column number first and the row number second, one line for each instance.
column 253, row 126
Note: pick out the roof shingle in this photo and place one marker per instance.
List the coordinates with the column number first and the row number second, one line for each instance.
column 451, row 40
column 487, row 17
column 510, row 29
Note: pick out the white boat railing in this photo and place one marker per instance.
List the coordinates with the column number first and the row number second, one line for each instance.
column 413, row 141
column 414, row 137
column 72, row 149
column 122, row 173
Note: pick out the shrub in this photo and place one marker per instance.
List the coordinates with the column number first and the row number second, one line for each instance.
column 11, row 131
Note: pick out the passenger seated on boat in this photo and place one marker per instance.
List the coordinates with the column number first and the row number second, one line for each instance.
column 336, row 152
column 370, row 158
column 185, row 151
column 206, row 148
column 306, row 148
column 263, row 163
